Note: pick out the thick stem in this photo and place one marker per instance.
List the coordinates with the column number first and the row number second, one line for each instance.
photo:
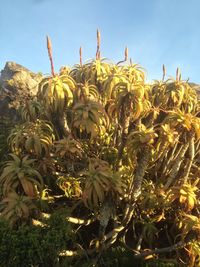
column 190, row 160
column 164, row 146
column 64, row 124
column 136, row 185
column 111, row 236
column 139, row 174
column 197, row 148
column 106, row 212
column 125, row 128
column 135, row 191
column 176, row 166
column 176, row 246
column 121, row 149
column 170, row 158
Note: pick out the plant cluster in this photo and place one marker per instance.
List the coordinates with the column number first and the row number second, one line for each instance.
column 34, row 245
column 121, row 155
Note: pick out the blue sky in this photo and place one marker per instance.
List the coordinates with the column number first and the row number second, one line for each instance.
column 155, row 31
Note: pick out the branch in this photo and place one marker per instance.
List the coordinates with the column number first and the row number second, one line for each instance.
column 70, row 219
column 136, row 184
column 80, row 221
column 68, row 253
column 176, row 246
column 176, row 166
column 189, row 238
column 190, row 160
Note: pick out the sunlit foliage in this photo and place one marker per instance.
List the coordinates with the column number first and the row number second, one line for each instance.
column 118, row 153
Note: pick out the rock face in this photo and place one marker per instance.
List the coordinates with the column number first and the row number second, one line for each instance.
column 16, row 79
column 16, row 85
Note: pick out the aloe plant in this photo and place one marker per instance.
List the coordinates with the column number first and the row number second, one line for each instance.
column 19, row 173
column 116, row 150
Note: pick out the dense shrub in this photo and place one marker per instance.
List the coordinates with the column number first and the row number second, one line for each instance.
column 34, row 245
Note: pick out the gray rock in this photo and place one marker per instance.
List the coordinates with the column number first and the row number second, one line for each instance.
column 17, row 84
column 18, row 80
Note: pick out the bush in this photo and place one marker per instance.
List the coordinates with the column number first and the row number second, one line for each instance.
column 34, row 245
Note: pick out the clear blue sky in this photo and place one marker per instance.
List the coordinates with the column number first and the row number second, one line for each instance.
column 155, row 31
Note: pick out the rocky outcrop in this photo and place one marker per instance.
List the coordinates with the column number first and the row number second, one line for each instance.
column 17, row 84
column 16, row 79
